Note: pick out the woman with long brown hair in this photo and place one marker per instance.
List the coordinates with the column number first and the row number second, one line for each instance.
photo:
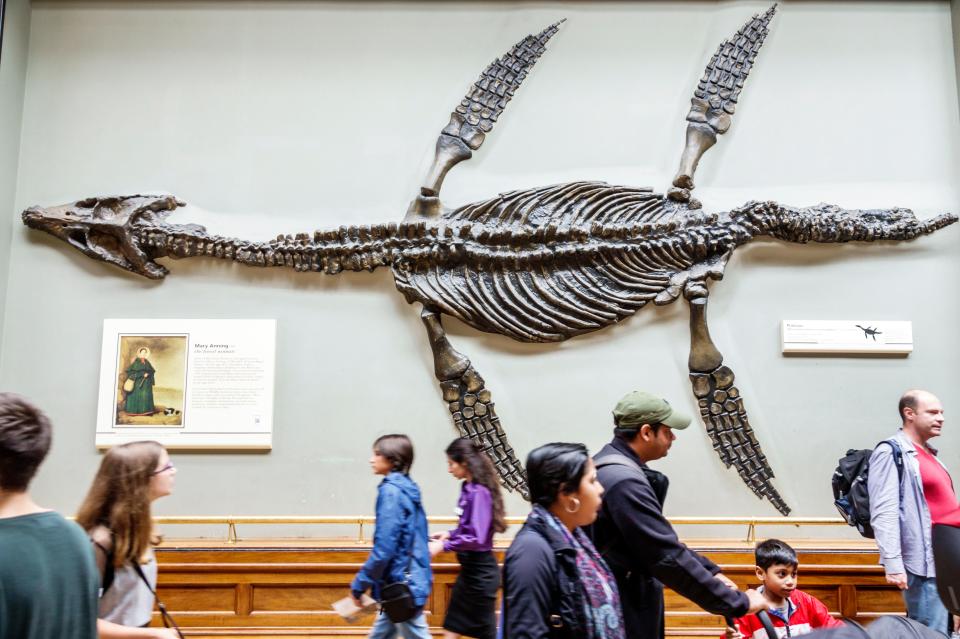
column 116, row 515
column 472, row 608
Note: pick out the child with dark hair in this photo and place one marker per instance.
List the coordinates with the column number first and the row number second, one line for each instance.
column 400, row 554
column 472, row 607
column 48, row 579
column 792, row 610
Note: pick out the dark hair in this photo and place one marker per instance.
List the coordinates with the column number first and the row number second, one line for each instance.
column 397, row 449
column 774, row 551
column 907, row 400
column 25, row 435
column 466, row 453
column 553, row 469
column 629, row 433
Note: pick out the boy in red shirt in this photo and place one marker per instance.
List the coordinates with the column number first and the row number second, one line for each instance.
column 793, row 612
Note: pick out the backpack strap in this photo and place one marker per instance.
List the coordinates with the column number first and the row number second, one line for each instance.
column 658, row 481
column 109, row 570
column 168, row 621
column 897, row 460
column 618, row 459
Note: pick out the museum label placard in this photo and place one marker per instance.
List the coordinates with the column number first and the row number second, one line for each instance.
column 853, row 337
column 188, row 384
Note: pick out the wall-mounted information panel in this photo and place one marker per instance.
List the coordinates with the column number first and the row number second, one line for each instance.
column 852, row 337
column 187, row 383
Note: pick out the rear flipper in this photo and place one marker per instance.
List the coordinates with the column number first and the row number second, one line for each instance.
column 471, row 405
column 715, row 99
column 721, row 407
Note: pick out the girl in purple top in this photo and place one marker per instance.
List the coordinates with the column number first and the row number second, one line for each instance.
column 471, row 610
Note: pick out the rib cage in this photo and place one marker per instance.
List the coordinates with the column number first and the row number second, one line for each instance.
column 625, row 260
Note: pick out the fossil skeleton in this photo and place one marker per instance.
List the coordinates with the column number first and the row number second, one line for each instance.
column 537, row 265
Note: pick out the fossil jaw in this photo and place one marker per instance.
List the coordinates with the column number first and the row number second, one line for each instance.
column 104, row 228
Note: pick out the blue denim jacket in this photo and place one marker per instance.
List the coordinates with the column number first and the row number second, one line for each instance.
column 400, row 551
column 902, row 525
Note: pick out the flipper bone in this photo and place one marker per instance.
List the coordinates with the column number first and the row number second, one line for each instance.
column 474, row 117
column 715, row 98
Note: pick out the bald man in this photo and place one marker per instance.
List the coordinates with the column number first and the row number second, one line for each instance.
column 910, row 490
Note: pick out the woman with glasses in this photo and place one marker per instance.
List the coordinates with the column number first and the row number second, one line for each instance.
column 116, row 515
column 555, row 583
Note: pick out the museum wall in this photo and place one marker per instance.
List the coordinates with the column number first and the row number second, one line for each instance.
column 13, row 70
column 955, row 13
column 294, row 116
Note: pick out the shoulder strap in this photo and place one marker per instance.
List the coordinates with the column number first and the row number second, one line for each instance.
column 658, row 481
column 109, row 571
column 617, row 459
column 897, row 456
column 168, row 621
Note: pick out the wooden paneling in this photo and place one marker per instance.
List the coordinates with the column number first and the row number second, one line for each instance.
column 285, row 589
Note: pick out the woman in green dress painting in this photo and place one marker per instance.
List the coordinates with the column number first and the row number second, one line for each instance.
column 139, row 401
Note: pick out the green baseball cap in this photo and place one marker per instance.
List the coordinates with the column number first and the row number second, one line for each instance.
column 638, row 408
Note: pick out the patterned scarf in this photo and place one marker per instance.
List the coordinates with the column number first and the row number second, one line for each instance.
column 602, row 600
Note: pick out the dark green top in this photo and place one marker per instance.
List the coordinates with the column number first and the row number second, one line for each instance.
column 48, row 579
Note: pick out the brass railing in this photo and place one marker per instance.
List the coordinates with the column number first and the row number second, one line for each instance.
column 363, row 520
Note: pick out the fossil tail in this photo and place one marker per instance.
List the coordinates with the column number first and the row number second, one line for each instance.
column 829, row 223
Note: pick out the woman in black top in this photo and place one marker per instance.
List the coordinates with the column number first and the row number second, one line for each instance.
column 555, row 583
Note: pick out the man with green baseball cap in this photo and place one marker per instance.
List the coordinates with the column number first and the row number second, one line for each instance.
column 634, row 537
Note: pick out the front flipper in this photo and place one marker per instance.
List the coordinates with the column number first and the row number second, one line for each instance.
column 470, row 404
column 721, row 407
column 476, row 114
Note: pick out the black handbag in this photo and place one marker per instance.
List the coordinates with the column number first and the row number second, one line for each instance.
column 396, row 601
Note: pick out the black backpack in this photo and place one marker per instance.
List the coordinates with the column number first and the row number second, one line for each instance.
column 850, row 493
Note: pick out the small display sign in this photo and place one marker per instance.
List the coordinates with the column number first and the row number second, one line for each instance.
column 882, row 337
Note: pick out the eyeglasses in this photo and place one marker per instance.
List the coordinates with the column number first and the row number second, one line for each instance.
column 169, row 466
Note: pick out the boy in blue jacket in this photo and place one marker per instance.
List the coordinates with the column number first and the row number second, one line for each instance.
column 400, row 552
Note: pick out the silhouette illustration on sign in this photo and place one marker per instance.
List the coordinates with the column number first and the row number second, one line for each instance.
column 869, row 332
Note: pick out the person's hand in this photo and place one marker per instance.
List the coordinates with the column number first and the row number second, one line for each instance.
column 165, row 633
column 898, row 579
column 146, row 374
column 356, row 600
column 757, row 602
column 726, row 581
column 436, row 547
column 442, row 536
column 733, row 633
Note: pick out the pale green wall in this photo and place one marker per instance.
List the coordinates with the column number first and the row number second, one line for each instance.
column 286, row 117
column 13, row 70
column 955, row 13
